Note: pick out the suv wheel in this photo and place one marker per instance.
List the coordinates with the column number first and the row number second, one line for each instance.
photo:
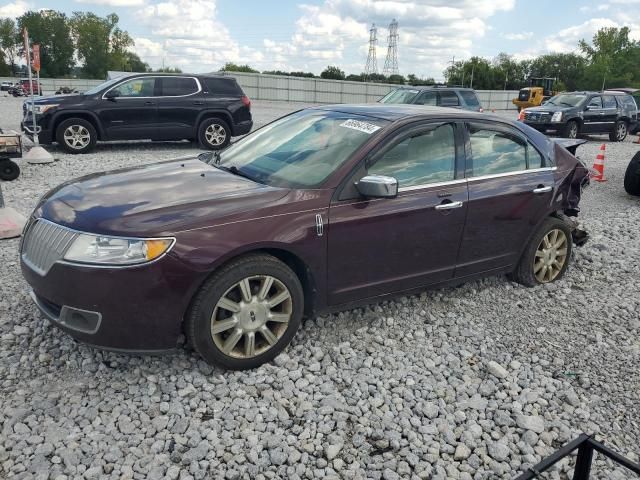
column 76, row 135
column 214, row 134
column 619, row 132
column 246, row 313
column 632, row 176
column 547, row 255
column 571, row 129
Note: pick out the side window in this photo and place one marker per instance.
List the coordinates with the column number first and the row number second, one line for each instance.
column 628, row 102
column 428, row 98
column 609, row 101
column 138, row 87
column 536, row 160
column 221, row 86
column 496, row 152
column 176, row 86
column 596, row 102
column 449, row 99
column 424, row 158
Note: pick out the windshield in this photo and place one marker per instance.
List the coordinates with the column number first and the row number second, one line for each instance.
column 401, row 95
column 567, row 100
column 300, row 150
column 98, row 88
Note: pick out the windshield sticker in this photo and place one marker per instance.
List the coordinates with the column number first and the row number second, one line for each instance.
column 365, row 127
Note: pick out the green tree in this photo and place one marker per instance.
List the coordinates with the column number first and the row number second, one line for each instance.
column 51, row 30
column 396, row 79
column 333, row 73
column 567, row 68
column 355, row 77
column 8, row 44
column 302, row 74
column 101, row 45
column 232, row 67
column 5, row 69
column 167, row 70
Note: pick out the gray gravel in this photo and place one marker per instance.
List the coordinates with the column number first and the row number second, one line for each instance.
column 475, row 382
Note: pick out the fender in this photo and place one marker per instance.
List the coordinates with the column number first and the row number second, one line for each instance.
column 59, row 116
column 215, row 112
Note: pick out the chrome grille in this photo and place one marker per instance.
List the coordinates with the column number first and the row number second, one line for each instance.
column 44, row 244
column 537, row 117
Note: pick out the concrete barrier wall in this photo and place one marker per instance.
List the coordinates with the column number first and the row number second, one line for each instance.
column 296, row 89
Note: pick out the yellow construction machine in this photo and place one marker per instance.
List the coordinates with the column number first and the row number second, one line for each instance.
column 539, row 89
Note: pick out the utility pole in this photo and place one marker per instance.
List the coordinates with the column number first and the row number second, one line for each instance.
column 453, row 66
column 391, row 62
column 372, row 63
column 473, row 66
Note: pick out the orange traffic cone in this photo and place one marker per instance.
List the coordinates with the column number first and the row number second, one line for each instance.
column 598, row 166
column 637, row 139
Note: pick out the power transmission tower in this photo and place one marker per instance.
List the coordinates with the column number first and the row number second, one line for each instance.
column 391, row 62
column 372, row 63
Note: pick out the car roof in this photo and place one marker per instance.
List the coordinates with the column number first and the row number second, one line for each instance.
column 432, row 87
column 393, row 112
column 606, row 92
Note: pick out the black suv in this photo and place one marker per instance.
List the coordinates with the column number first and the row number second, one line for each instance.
column 210, row 109
column 571, row 114
column 440, row 96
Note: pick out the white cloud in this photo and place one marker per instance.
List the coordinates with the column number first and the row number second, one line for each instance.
column 114, row 3
column 15, row 9
column 518, row 36
column 566, row 40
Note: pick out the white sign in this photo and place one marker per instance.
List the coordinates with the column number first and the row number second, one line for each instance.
column 365, row 127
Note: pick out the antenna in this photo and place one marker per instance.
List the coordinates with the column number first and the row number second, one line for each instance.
column 391, row 62
column 372, row 63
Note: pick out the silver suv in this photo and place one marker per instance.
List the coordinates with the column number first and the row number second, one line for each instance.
column 440, row 96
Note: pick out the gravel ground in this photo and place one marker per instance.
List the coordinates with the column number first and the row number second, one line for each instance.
column 475, row 382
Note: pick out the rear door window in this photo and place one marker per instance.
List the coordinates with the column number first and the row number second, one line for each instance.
column 495, row 151
column 470, row 98
column 628, row 102
column 609, row 101
column 428, row 98
column 222, row 86
column 178, row 86
column 449, row 99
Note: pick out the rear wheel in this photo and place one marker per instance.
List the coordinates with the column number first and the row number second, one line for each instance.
column 570, row 130
column 619, row 132
column 246, row 313
column 632, row 176
column 547, row 255
column 214, row 134
column 8, row 170
column 76, row 135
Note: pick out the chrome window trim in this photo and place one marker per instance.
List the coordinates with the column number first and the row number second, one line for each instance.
column 517, row 172
column 159, row 96
column 98, row 265
column 435, row 184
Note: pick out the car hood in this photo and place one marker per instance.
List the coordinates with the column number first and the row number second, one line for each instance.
column 549, row 108
column 71, row 98
column 155, row 200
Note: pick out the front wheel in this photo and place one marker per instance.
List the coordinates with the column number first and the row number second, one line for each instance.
column 632, row 176
column 547, row 255
column 214, row 134
column 619, row 132
column 76, row 135
column 571, row 129
column 246, row 313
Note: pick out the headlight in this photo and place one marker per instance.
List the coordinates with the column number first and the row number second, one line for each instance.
column 40, row 109
column 101, row 250
column 557, row 117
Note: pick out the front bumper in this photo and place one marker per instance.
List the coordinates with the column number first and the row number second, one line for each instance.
column 45, row 134
column 126, row 309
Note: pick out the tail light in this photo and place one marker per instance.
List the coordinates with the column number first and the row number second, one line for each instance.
column 246, row 102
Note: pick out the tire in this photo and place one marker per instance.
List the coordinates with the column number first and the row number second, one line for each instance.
column 632, row 176
column 8, row 170
column 526, row 273
column 570, row 130
column 84, row 142
column 249, row 321
column 619, row 132
column 214, row 134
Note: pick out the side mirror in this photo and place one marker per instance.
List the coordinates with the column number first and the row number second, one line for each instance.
column 377, row 186
column 111, row 95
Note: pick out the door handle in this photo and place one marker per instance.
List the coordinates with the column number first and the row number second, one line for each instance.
column 448, row 206
column 198, row 103
column 542, row 189
column 149, row 103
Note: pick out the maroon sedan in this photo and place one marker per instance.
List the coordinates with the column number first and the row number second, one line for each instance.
column 323, row 209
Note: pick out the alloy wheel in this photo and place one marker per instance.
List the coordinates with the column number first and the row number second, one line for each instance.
column 77, row 137
column 215, row 134
column 251, row 316
column 621, row 131
column 573, row 131
column 550, row 256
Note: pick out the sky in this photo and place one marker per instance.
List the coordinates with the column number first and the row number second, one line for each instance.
column 293, row 35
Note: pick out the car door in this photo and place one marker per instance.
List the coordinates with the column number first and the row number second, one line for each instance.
column 610, row 110
column 179, row 103
column 128, row 110
column 510, row 189
column 378, row 246
column 448, row 98
column 593, row 115
column 427, row 97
